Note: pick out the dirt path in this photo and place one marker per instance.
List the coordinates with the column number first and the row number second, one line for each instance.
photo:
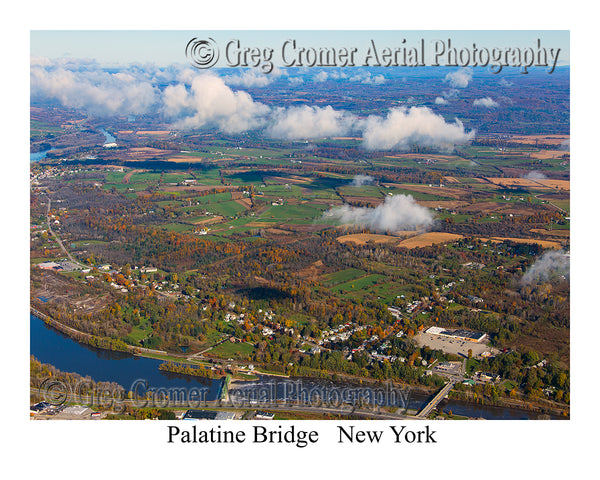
column 127, row 177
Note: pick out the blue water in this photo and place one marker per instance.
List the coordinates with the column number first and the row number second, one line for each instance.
column 51, row 346
column 109, row 138
column 37, row 156
column 288, row 389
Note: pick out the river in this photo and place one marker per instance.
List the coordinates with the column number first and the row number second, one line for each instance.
column 37, row 156
column 53, row 347
column 109, row 138
column 333, row 392
column 49, row 345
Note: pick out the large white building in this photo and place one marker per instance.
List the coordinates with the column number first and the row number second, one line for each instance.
column 462, row 334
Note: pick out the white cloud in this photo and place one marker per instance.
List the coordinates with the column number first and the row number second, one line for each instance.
column 330, row 74
column 187, row 76
column 321, row 76
column 418, row 125
column 210, row 102
column 367, row 78
column 360, row 180
column 485, row 102
column 459, row 78
column 86, row 87
column 299, row 123
column 440, row 101
column 198, row 99
column 249, row 78
column 535, row 175
column 399, row 212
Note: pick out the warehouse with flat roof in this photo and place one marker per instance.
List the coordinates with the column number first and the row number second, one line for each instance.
column 208, row 415
column 460, row 334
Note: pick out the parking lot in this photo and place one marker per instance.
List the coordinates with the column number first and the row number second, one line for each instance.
column 453, row 345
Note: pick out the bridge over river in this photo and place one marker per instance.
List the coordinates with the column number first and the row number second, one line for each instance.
column 437, row 399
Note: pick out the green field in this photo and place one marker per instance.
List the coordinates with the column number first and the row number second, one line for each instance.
column 168, row 203
column 564, row 204
column 177, row 227
column 114, row 177
column 342, row 276
column 364, row 191
column 140, row 332
column 245, row 178
column 145, row 177
column 288, row 212
column 418, row 195
column 390, row 291
column 281, row 191
column 359, row 284
column 175, row 177
column 38, row 127
column 212, row 198
column 227, row 209
column 233, row 350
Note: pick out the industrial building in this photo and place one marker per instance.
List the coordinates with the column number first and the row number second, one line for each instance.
column 459, row 334
column 208, row 415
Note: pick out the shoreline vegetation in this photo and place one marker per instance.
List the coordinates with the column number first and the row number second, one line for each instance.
column 93, row 340
column 188, row 369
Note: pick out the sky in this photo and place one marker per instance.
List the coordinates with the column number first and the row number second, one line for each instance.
column 69, row 67
column 165, row 47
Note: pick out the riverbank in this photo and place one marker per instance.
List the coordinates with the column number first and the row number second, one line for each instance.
column 89, row 339
column 95, row 341
column 541, row 408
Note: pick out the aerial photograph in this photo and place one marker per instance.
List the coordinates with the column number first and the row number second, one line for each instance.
column 299, row 225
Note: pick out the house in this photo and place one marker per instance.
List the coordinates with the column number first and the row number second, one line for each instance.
column 488, row 377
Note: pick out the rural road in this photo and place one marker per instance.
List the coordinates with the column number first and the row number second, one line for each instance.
column 59, row 241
